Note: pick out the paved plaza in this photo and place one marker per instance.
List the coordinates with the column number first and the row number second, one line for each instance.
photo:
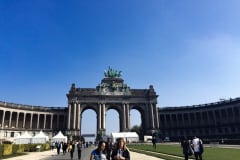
column 52, row 155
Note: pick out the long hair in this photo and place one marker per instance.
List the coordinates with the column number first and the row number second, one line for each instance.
column 99, row 147
column 124, row 143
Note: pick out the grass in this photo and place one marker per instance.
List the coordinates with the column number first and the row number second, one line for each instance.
column 174, row 152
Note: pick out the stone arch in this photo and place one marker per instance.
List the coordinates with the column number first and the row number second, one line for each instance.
column 112, row 93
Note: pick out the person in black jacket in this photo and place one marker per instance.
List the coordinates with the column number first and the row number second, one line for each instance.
column 186, row 147
column 79, row 149
column 121, row 151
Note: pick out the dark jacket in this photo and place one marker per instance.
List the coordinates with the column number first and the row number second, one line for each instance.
column 125, row 154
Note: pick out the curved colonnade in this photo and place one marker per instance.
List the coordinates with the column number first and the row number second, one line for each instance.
column 17, row 118
column 213, row 120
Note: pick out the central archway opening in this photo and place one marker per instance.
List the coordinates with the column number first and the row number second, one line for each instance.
column 89, row 125
column 112, row 121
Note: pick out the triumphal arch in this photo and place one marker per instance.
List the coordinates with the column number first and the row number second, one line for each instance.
column 112, row 93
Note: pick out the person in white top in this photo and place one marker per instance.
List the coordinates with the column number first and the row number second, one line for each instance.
column 197, row 145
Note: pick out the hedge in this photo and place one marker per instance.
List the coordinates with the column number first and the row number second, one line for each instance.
column 12, row 149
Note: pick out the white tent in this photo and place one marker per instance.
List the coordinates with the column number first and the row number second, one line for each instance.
column 40, row 138
column 24, row 138
column 128, row 136
column 59, row 138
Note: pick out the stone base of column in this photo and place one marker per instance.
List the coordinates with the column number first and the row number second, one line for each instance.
column 73, row 134
column 126, row 130
column 101, row 132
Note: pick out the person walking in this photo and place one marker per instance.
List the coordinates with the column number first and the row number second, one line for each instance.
column 121, row 151
column 64, row 148
column 58, row 146
column 100, row 152
column 154, row 141
column 186, row 147
column 71, row 149
column 79, row 149
column 197, row 145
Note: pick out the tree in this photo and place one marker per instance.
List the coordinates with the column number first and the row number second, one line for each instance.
column 137, row 129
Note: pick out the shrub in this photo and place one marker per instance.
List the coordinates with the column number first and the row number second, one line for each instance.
column 14, row 148
column 7, row 149
column 30, row 147
column 47, row 147
column 20, row 148
column 1, row 150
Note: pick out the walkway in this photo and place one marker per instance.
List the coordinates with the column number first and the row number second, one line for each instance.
column 52, row 155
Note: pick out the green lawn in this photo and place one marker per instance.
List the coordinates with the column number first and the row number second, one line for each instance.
column 210, row 153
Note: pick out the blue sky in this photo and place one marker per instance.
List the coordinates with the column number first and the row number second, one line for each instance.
column 188, row 50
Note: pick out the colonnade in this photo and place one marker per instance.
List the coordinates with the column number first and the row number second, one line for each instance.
column 201, row 117
column 203, row 121
column 24, row 119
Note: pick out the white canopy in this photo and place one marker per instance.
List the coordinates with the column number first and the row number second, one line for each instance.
column 128, row 136
column 24, row 138
column 59, row 138
column 40, row 138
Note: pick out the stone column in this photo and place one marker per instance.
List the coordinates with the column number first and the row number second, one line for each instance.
column 147, row 120
column 24, row 119
column 17, row 119
column 44, row 123
column 38, row 116
column 79, row 117
column 69, row 116
column 31, row 120
column 128, row 117
column 99, row 127
column 152, row 116
column 3, row 117
column 126, row 113
column 10, row 120
column 74, row 116
column 103, row 116
column 171, row 121
column 51, row 123
column 156, row 117
column 124, row 118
